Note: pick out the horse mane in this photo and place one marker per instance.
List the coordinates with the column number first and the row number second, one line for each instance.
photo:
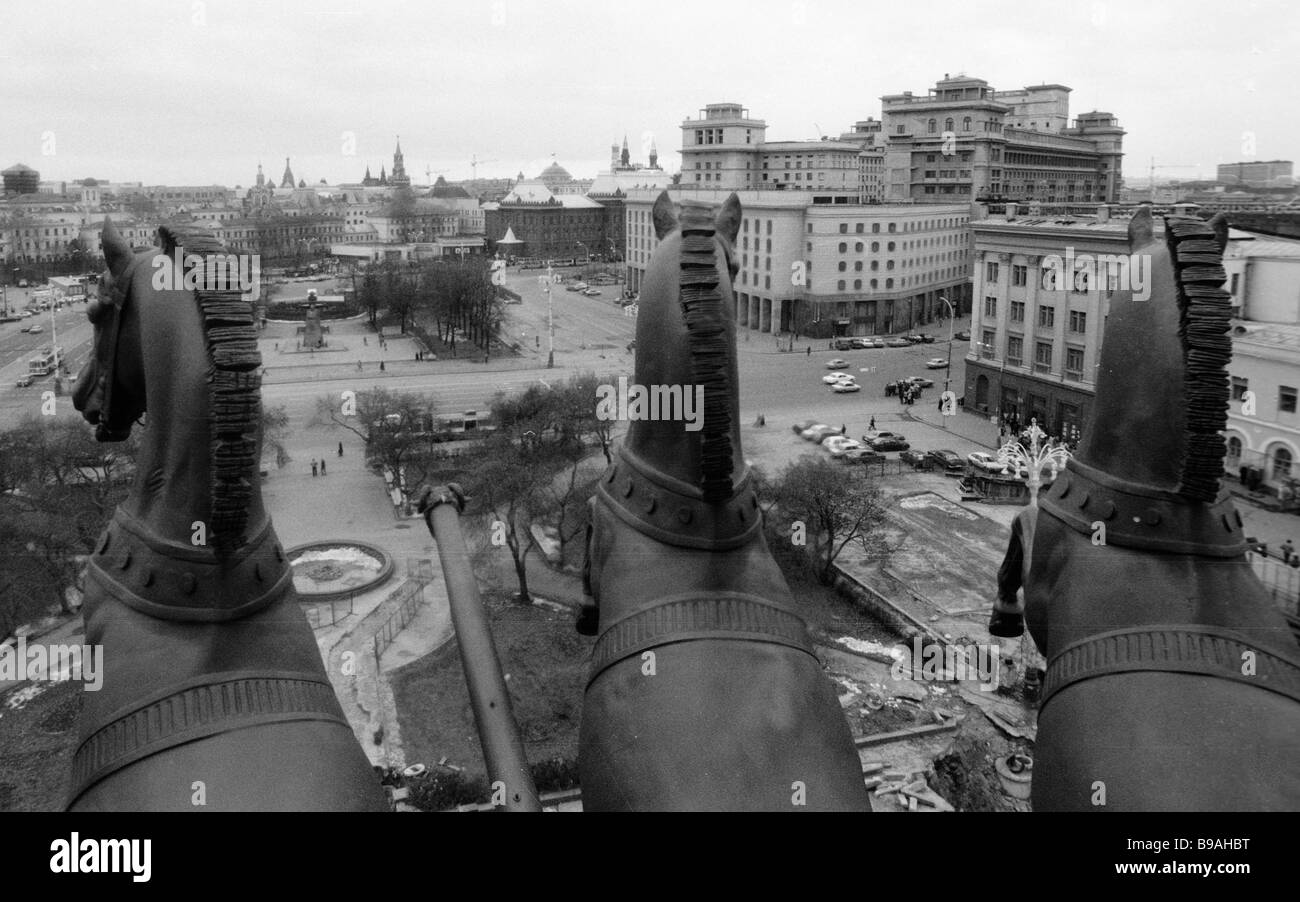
column 708, row 339
column 1196, row 250
column 234, row 386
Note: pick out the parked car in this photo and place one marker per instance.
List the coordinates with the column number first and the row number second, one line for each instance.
column 592, row 292
column 862, row 456
column 898, row 343
column 24, row 381
column 842, row 344
column 920, row 381
column 927, row 338
column 572, row 288
column 982, row 460
column 872, row 436
column 936, row 363
column 860, row 343
column 963, row 335
column 35, row 329
column 836, row 364
column 916, row 338
column 844, row 386
column 815, row 434
column 947, row 460
column 888, row 444
column 877, row 342
column 800, row 426
column 837, row 445
column 832, row 378
column 918, row 459
column 25, row 329
column 22, row 283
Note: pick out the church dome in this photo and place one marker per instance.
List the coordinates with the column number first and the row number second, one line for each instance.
column 555, row 172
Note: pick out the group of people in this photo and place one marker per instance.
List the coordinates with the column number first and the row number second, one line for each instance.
column 906, row 392
column 318, row 468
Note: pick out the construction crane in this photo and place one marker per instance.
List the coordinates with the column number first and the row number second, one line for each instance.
column 474, row 164
column 430, row 173
column 1152, row 178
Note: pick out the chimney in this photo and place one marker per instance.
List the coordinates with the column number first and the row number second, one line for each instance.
column 1012, row 208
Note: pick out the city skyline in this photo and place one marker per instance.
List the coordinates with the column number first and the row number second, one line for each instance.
column 519, row 85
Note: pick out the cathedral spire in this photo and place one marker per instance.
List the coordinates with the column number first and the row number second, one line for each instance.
column 288, row 180
column 624, row 157
column 399, row 177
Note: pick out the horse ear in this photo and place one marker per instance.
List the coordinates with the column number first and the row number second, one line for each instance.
column 1140, row 231
column 1220, row 225
column 728, row 221
column 117, row 253
column 662, row 214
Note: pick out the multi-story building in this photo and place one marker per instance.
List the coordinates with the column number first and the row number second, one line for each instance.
column 1036, row 343
column 21, row 179
column 868, row 135
column 547, row 224
column 965, row 141
column 829, row 270
column 1257, row 174
column 1264, row 427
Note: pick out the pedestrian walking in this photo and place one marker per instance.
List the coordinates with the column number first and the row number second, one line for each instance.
column 381, row 366
column 364, row 341
column 1288, row 549
column 843, row 429
column 872, row 427
column 313, row 466
column 358, row 366
column 322, row 466
column 340, row 449
column 809, row 351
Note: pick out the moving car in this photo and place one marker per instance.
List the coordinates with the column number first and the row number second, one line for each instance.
column 918, row 459
column 936, row 363
column 982, row 460
column 888, row 444
column 25, row 329
column 844, row 386
column 35, row 329
column 591, row 292
column 838, row 445
column 832, row 378
column 836, row 364
column 24, row 381
column 948, row 461
column 872, row 436
column 862, row 456
column 916, row 338
column 963, row 335
column 920, row 381
column 800, row 426
column 897, row 343
column 816, row 433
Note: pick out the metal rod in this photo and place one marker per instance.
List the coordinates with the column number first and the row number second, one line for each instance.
column 503, row 747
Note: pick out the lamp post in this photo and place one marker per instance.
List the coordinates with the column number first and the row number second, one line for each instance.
column 550, row 319
column 54, row 337
column 947, row 380
column 1035, row 457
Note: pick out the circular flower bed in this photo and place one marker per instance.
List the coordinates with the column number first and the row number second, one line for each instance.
column 325, row 570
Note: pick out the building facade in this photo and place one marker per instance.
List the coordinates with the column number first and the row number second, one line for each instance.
column 1257, row 174
column 1035, row 344
column 826, row 270
column 964, row 140
column 549, row 225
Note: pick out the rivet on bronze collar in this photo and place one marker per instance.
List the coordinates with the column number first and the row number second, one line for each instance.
column 1152, row 516
column 148, row 576
column 1109, row 510
column 189, row 583
column 1083, row 500
column 649, row 502
column 257, row 572
column 684, row 515
column 125, row 561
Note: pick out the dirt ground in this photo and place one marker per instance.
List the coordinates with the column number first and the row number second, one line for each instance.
column 37, row 741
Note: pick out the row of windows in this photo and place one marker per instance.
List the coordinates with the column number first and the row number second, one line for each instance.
column 1046, row 315
column 1044, row 355
column 1286, row 394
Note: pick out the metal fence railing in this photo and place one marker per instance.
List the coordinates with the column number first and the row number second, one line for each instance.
column 328, row 613
column 1281, row 580
column 410, row 596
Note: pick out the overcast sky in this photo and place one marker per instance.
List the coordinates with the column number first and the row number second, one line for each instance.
column 189, row 92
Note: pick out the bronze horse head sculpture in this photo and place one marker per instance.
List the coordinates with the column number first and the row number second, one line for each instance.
column 703, row 692
column 1173, row 682
column 214, row 695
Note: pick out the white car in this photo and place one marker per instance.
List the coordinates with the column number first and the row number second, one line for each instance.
column 845, row 386
column 817, row 433
column 936, row 363
column 837, row 364
column 986, row 462
column 832, row 378
column 35, row 329
column 838, row 446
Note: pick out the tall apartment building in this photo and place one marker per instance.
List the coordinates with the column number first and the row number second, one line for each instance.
column 726, row 149
column 965, row 141
column 827, row 270
column 868, row 134
column 1036, row 344
column 1259, row 174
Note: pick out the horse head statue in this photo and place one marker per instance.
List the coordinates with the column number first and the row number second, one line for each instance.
column 704, row 692
column 212, row 675
column 1172, row 680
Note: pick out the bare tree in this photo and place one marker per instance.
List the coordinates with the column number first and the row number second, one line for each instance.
column 835, row 504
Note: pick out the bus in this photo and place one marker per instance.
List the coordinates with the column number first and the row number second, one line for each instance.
column 44, row 361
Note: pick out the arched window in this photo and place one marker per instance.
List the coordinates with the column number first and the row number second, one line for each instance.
column 889, row 283
column 875, row 265
column 1234, row 451
column 933, row 126
column 889, row 264
column 875, row 247
column 857, row 284
column 1281, row 463
column 857, row 266
column 857, row 246
column 947, row 124
column 892, row 228
column 843, row 266
column 873, row 284
column 965, row 124
column 875, row 228
column 890, row 247
column 844, row 247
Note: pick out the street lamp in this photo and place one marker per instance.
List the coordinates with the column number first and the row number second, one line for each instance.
column 550, row 319
column 1035, row 457
column 947, row 380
